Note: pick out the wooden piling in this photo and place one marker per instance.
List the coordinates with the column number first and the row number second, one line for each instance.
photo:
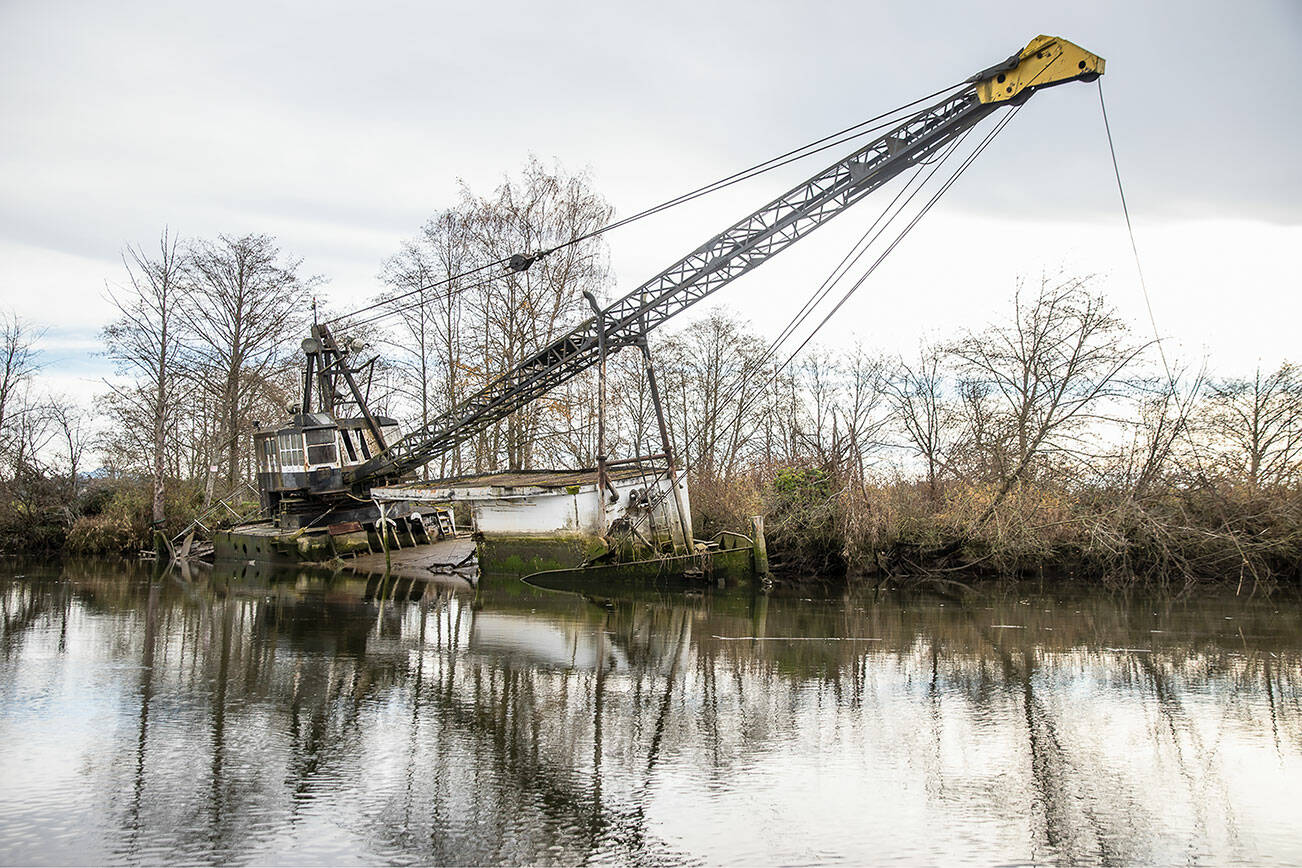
column 760, row 548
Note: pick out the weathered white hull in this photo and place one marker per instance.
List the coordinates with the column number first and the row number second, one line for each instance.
column 554, row 503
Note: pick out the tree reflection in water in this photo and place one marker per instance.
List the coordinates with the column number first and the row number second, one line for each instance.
column 247, row 715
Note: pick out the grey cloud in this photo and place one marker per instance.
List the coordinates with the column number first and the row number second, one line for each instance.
column 224, row 117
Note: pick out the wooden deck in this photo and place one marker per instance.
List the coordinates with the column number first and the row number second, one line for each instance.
column 444, row 557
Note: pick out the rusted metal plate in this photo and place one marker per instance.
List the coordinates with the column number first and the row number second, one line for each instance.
column 344, row 527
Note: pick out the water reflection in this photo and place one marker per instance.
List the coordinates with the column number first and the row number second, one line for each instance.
column 238, row 715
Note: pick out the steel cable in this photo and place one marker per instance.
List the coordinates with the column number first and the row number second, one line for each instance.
column 963, row 166
column 1139, row 268
column 848, row 134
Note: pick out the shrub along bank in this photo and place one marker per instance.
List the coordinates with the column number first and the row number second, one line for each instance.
column 818, row 524
column 107, row 517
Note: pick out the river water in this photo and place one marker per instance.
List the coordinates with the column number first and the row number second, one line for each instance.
column 238, row 716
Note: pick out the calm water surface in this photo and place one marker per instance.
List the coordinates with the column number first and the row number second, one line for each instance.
column 288, row 718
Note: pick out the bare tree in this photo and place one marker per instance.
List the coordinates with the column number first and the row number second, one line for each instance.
column 1164, row 416
column 925, row 412
column 71, row 429
column 818, row 427
column 867, row 409
column 707, row 367
column 1049, row 371
column 248, row 306
column 518, row 314
column 18, row 364
column 144, row 343
column 464, row 319
column 1254, row 426
column 31, row 503
column 424, row 284
column 26, row 495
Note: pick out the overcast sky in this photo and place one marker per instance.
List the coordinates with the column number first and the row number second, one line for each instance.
column 340, row 128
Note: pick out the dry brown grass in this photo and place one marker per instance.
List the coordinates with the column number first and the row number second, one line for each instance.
column 893, row 527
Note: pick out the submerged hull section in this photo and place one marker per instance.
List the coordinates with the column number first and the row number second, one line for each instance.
column 522, row 523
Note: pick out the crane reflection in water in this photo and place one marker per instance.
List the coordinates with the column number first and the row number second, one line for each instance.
column 267, row 716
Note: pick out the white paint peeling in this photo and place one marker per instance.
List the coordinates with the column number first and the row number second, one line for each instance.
column 548, row 508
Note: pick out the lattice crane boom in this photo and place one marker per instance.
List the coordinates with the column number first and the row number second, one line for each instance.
column 1045, row 62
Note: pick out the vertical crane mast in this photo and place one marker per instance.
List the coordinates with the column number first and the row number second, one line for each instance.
column 1045, row 62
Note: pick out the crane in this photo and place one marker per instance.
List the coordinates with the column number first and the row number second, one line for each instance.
column 352, row 455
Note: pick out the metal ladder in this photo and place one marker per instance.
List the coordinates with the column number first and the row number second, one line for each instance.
column 447, row 525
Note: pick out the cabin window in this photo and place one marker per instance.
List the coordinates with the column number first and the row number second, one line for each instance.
column 348, row 445
column 291, row 449
column 321, row 446
column 267, row 455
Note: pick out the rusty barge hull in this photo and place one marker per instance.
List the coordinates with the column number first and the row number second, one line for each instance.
column 521, row 523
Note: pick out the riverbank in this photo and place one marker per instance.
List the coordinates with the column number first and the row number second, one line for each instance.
column 823, row 527
column 101, row 517
column 820, row 523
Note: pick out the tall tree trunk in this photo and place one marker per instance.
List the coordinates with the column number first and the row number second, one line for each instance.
column 232, row 437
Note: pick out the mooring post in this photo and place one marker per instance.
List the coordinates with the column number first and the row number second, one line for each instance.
column 384, row 537
column 760, row 548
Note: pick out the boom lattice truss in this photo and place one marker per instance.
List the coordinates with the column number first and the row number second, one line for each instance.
column 738, row 249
